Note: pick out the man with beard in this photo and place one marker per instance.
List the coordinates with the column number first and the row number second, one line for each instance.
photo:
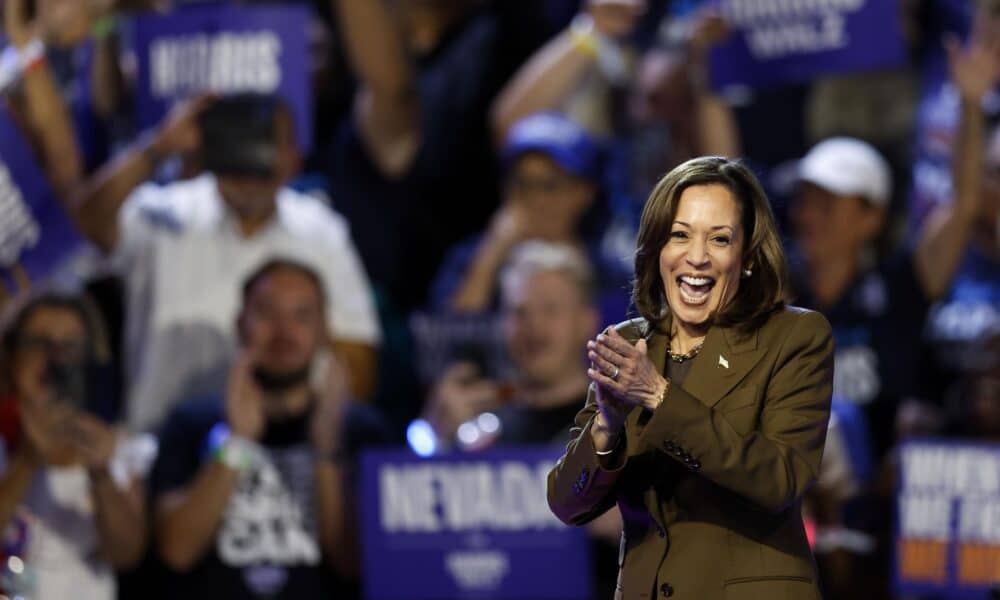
column 250, row 492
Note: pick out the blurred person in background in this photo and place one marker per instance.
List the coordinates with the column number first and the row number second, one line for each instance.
column 39, row 107
column 79, row 40
column 71, row 491
column 253, row 490
column 548, row 312
column 415, row 157
column 651, row 107
column 878, row 309
column 551, row 185
column 183, row 248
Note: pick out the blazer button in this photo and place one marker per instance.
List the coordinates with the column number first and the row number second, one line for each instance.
column 666, row 590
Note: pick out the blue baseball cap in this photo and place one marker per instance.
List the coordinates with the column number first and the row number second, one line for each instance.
column 561, row 139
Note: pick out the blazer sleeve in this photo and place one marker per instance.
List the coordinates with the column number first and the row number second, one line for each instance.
column 580, row 487
column 775, row 464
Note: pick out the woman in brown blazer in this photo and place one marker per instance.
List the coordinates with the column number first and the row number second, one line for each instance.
column 706, row 417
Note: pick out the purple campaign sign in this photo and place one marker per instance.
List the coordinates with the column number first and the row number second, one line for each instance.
column 224, row 49
column 947, row 519
column 467, row 526
column 776, row 42
column 34, row 231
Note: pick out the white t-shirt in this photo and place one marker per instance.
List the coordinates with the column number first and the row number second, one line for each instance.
column 184, row 262
column 55, row 532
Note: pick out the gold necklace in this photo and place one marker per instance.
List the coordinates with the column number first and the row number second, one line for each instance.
column 679, row 358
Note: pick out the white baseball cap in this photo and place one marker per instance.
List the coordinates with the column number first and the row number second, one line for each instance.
column 848, row 167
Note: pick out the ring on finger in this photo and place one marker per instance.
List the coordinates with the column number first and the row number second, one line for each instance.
column 615, row 374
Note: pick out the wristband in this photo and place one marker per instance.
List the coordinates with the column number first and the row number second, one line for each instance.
column 233, row 451
column 611, row 59
column 31, row 56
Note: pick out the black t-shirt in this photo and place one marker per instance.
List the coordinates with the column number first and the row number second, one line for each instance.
column 267, row 545
column 524, row 424
column 403, row 227
column 877, row 329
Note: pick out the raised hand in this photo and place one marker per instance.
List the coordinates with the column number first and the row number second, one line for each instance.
column 975, row 68
column 244, row 399
column 616, row 18
column 20, row 29
column 94, row 440
column 179, row 132
column 332, row 397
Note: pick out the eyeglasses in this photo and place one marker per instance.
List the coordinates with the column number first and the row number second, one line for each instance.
column 69, row 348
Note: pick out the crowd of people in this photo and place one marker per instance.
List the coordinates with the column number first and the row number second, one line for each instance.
column 183, row 401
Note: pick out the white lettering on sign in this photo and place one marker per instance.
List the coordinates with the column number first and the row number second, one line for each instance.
column 818, row 35
column 477, row 570
column 951, row 471
column 751, row 12
column 18, row 228
column 925, row 516
column 424, row 498
column 224, row 63
column 979, row 520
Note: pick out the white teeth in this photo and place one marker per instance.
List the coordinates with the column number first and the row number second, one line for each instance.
column 696, row 280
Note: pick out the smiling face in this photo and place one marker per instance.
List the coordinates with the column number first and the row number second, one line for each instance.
column 701, row 261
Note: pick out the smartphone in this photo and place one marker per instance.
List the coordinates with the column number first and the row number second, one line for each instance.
column 239, row 136
column 84, row 385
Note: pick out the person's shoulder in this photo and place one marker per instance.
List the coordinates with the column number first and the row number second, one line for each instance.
column 795, row 319
column 174, row 204
column 309, row 214
column 195, row 413
column 633, row 329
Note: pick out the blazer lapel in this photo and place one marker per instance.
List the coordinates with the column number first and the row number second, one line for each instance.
column 724, row 360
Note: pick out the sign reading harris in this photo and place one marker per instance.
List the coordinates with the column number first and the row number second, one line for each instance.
column 467, row 526
column 948, row 519
column 35, row 233
column 224, row 49
column 784, row 41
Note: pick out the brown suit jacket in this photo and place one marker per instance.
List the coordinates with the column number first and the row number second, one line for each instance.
column 710, row 484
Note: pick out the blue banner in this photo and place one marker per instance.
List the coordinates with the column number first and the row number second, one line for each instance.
column 224, row 49
column 467, row 526
column 35, row 232
column 776, row 42
column 948, row 519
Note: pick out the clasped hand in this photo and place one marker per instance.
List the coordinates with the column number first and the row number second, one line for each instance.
column 624, row 375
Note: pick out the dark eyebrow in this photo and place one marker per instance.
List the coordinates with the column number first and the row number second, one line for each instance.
column 715, row 228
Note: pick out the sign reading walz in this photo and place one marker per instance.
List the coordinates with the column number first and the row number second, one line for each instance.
column 223, row 49
column 467, row 526
column 789, row 41
column 35, row 233
column 948, row 519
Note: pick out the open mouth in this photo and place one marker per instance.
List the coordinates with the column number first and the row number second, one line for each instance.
column 695, row 290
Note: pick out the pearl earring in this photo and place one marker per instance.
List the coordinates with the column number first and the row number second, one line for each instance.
column 747, row 272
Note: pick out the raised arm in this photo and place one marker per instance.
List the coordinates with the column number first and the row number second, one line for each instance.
column 95, row 206
column 47, row 116
column 942, row 240
column 386, row 108
column 551, row 76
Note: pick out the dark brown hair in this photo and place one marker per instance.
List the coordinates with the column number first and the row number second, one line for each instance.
column 758, row 295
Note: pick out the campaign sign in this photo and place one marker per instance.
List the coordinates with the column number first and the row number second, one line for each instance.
column 948, row 519
column 226, row 50
column 471, row 525
column 777, row 41
column 35, row 232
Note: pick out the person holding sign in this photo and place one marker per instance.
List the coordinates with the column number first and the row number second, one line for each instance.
column 706, row 417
